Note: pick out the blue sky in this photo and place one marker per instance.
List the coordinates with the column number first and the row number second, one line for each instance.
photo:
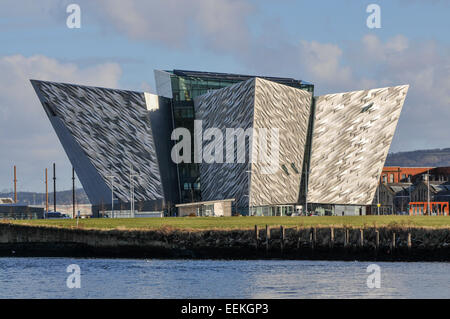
column 121, row 42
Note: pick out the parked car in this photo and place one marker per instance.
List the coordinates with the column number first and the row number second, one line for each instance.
column 55, row 215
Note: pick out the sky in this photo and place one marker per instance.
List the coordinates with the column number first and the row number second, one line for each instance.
column 120, row 43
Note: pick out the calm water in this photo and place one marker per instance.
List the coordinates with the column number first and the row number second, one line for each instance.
column 128, row 278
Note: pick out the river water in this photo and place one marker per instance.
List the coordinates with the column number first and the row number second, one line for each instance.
column 133, row 278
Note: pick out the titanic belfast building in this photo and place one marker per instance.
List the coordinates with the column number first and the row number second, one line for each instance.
column 127, row 149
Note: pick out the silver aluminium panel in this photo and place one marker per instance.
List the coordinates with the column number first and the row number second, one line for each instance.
column 230, row 107
column 112, row 129
column 256, row 104
column 286, row 109
column 351, row 139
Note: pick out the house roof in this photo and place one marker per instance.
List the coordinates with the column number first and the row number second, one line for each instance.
column 399, row 187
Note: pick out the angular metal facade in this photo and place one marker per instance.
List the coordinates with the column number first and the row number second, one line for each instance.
column 286, row 109
column 109, row 132
column 342, row 138
column 256, row 104
column 230, row 107
column 351, row 139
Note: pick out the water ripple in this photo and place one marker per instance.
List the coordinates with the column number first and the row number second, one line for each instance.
column 129, row 278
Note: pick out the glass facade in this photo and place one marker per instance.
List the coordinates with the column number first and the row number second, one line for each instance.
column 186, row 85
column 279, row 210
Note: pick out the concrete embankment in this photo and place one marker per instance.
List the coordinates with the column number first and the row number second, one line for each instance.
column 319, row 243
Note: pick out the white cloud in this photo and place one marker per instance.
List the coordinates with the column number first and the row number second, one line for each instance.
column 32, row 13
column 375, row 50
column 322, row 62
column 375, row 63
column 28, row 140
column 219, row 24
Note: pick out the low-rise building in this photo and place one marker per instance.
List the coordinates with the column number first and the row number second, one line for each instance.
column 19, row 211
column 6, row 201
column 398, row 174
column 432, row 191
column 392, row 198
column 218, row 208
column 401, row 186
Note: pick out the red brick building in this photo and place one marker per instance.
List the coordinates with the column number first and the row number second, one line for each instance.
column 397, row 174
column 402, row 185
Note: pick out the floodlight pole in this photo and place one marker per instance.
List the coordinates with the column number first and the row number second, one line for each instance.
column 428, row 192
column 46, row 194
column 15, row 185
column 54, row 187
column 73, row 191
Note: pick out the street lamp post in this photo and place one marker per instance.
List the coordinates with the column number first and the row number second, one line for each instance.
column 132, row 190
column 378, row 198
column 409, row 190
column 306, row 190
column 249, row 203
column 112, row 194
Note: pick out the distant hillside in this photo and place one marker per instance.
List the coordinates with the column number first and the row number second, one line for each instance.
column 62, row 197
column 436, row 157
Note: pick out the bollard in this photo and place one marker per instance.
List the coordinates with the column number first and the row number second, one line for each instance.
column 331, row 237
column 409, row 241
column 377, row 240
column 267, row 237
column 256, row 237
column 311, row 238
column 361, row 240
column 282, row 235
column 298, row 238
column 393, row 241
column 346, row 237
column 315, row 236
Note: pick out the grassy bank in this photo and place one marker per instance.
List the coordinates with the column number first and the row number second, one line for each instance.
column 202, row 223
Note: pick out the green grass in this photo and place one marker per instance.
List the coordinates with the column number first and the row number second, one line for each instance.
column 200, row 223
